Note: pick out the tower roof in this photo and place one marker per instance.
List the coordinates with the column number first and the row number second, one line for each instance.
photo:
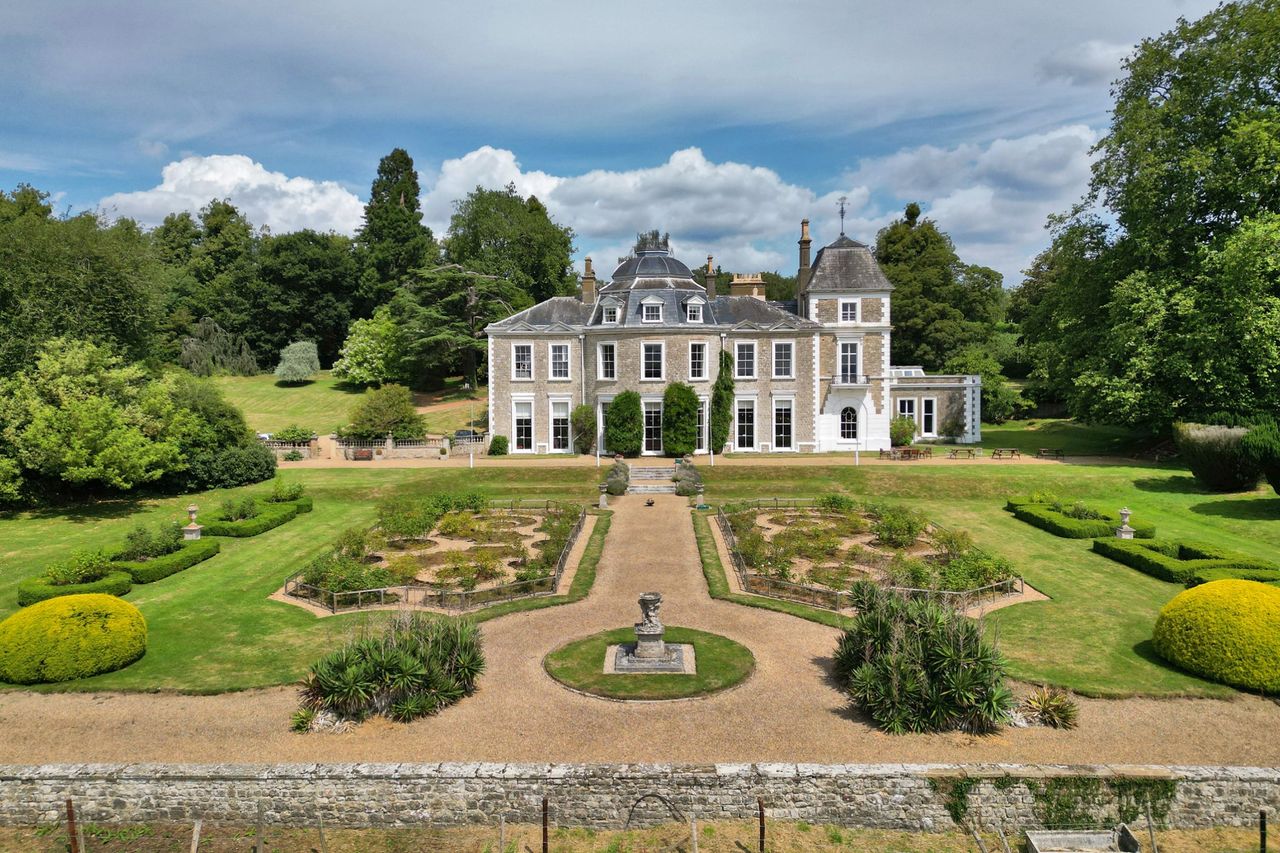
column 651, row 269
column 844, row 266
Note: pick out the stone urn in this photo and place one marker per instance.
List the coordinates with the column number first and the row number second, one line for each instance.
column 649, row 630
column 1124, row 531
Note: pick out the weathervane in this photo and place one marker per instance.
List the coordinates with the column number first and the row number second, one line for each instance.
column 842, row 200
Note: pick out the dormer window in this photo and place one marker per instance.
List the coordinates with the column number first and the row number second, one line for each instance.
column 694, row 313
column 609, row 314
column 651, row 312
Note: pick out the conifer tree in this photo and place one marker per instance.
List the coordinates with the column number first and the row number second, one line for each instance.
column 393, row 241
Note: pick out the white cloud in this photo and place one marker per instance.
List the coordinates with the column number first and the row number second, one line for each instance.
column 267, row 198
column 993, row 199
column 1092, row 63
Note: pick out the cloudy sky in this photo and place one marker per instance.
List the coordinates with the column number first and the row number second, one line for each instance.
column 723, row 123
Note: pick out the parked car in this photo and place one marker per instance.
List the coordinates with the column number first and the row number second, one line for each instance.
column 464, row 436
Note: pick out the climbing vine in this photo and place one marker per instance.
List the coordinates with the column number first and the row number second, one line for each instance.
column 1069, row 801
column 955, row 794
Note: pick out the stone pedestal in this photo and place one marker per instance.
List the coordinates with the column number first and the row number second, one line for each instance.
column 604, row 496
column 1124, row 531
column 649, row 644
column 192, row 531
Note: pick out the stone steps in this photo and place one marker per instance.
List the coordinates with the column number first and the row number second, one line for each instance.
column 651, row 473
column 651, row 489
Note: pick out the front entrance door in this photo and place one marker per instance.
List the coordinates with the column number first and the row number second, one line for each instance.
column 653, row 426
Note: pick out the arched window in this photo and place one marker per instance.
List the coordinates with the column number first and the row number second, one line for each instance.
column 848, row 423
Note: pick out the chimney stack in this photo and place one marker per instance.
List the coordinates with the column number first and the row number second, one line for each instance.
column 747, row 285
column 588, row 283
column 711, row 277
column 802, row 276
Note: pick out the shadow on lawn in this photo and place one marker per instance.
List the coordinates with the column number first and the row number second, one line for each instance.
column 83, row 512
column 1180, row 484
column 1266, row 509
column 1147, row 651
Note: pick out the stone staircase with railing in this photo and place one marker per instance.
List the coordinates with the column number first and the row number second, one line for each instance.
column 651, row 481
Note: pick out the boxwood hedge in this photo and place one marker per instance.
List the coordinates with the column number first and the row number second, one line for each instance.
column 1047, row 518
column 188, row 555
column 72, row 636
column 37, row 589
column 1183, row 562
column 270, row 515
column 1228, row 630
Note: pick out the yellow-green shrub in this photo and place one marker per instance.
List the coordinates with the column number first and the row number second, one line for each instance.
column 1227, row 630
column 72, row 636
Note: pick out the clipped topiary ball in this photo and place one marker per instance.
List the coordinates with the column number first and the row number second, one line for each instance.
column 72, row 636
column 1227, row 631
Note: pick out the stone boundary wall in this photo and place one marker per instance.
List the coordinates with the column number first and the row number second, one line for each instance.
column 896, row 796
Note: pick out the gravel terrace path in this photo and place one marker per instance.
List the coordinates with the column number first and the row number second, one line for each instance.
column 786, row 711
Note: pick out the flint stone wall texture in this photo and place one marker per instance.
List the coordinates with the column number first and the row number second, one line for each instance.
column 891, row 796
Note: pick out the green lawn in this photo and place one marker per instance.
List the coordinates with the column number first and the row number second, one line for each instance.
column 212, row 627
column 1071, row 437
column 324, row 404
column 721, row 663
column 1094, row 635
column 321, row 405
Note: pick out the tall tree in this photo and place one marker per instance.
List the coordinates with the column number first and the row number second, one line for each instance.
column 499, row 233
column 1170, row 314
column 392, row 242
column 442, row 314
column 939, row 303
column 78, row 277
column 308, row 290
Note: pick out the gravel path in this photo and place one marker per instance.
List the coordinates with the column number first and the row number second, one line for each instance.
column 786, row 711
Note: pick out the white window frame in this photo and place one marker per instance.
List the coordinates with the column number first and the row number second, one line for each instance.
column 568, row 362
column 911, row 414
column 932, row 404
column 533, row 424
column 755, row 423
column 704, row 419
column 857, row 367
column 857, row 418
column 600, row 361
column 774, row 360
column 604, row 314
column 790, row 404
column 646, row 404
column 737, row 360
column 602, row 402
column 689, row 312
column 644, row 312
column 705, row 349
column 857, row 311
column 552, row 402
column 532, row 369
column 663, row 363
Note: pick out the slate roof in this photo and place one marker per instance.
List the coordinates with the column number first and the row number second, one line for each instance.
column 649, row 264
column 844, row 266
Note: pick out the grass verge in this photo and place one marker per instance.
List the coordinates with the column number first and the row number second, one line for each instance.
column 721, row 663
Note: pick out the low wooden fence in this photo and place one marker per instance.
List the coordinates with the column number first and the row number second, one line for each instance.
column 835, row 599
column 422, row 595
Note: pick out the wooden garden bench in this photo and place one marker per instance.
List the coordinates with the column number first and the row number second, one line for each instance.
column 362, row 454
column 1006, row 453
column 957, row 452
column 1050, row 453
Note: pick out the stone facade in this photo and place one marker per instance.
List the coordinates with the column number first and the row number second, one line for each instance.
column 889, row 796
column 654, row 299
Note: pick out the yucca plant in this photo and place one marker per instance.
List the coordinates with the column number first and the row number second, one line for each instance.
column 1051, row 706
column 414, row 666
column 917, row 666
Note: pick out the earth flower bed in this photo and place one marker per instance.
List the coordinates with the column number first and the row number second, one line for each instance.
column 460, row 553
column 814, row 551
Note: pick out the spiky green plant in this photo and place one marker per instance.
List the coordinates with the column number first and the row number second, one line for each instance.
column 414, row 666
column 917, row 666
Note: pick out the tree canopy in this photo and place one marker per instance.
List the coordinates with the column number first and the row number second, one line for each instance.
column 392, row 242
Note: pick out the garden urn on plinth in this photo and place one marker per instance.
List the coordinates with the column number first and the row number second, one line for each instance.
column 192, row 530
column 649, row 644
column 1124, row 531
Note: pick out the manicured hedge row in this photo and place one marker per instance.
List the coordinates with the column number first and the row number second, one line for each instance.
column 1047, row 518
column 161, row 567
column 37, row 589
column 270, row 515
column 1183, row 562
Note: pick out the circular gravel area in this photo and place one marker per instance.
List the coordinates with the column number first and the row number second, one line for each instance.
column 721, row 663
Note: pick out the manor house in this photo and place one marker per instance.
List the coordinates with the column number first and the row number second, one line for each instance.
column 810, row 375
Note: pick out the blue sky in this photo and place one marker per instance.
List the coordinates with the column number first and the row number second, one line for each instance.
column 723, row 123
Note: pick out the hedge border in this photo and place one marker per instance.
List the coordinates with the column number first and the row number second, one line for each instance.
column 1047, row 518
column 270, row 515
column 1161, row 559
column 37, row 589
column 162, row 567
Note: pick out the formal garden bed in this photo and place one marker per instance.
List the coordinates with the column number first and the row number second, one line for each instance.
column 1184, row 562
column 814, row 551
column 454, row 552
column 1072, row 520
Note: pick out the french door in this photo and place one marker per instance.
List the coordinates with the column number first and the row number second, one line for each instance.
column 653, row 426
